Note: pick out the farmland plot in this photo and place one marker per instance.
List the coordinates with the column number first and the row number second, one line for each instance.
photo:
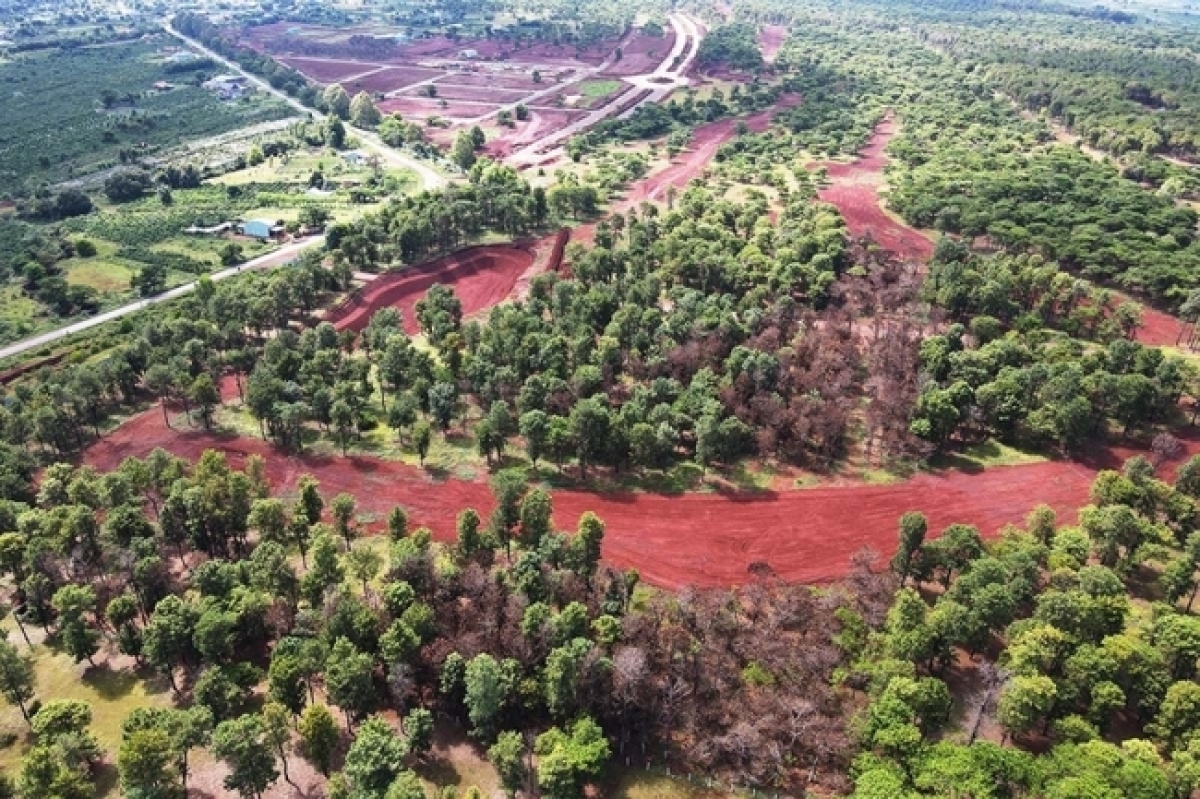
column 71, row 112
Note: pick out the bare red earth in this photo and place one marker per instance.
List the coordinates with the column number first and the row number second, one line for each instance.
column 705, row 142
column 642, row 54
column 422, row 107
column 392, row 79
column 480, row 276
column 477, row 94
column 507, row 80
column 854, row 190
column 770, row 39
column 1162, row 329
column 327, row 71
column 693, row 539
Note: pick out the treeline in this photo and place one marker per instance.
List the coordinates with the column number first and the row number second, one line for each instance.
column 514, row 631
column 177, row 355
column 734, row 46
column 1078, row 657
column 199, row 27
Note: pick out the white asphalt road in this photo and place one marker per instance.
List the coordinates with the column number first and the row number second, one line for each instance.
column 283, row 255
column 669, row 76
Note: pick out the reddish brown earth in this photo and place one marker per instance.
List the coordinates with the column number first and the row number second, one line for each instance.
column 422, row 107
column 476, row 94
column 541, row 122
column 392, row 79
column 770, row 39
column 642, row 54
column 501, row 81
column 705, row 142
column 692, row 539
column 1161, row 329
column 854, row 190
column 480, row 276
column 323, row 71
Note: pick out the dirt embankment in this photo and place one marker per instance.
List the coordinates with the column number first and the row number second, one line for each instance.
column 480, row 276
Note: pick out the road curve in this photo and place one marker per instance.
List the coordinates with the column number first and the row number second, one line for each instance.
column 666, row 78
column 283, row 255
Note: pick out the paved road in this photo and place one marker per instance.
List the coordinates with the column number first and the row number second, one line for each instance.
column 283, row 255
column 666, row 78
column 430, row 178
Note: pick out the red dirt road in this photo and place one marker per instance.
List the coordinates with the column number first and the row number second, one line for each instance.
column 770, row 39
column 694, row 539
column 481, row 277
column 854, row 190
column 420, row 108
column 705, row 142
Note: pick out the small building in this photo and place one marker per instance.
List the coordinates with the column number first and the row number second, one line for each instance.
column 261, row 229
column 354, row 158
column 469, row 53
column 162, row 86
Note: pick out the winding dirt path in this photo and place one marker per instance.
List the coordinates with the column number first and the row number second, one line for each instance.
column 854, row 188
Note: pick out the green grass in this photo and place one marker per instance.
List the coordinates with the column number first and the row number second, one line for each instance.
column 105, row 276
column 637, row 784
column 987, row 455
column 595, row 89
column 112, row 694
column 18, row 313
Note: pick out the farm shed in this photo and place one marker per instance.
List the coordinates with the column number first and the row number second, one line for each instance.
column 261, row 228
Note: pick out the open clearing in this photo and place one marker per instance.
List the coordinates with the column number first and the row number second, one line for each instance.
column 854, row 189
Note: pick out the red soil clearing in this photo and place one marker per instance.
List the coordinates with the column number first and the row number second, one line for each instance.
column 705, row 142
column 480, row 276
column 501, row 81
column 694, row 539
column 1161, row 329
column 478, row 94
column 323, row 71
column 855, row 192
column 642, row 54
column 392, row 79
column 770, row 40
column 541, row 122
column 421, row 108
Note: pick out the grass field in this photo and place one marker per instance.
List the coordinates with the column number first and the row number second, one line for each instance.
column 112, row 694
column 595, row 89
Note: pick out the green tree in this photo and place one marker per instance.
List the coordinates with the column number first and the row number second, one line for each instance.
column 487, row 691
column 376, row 758
column 912, row 535
column 146, row 764
column 508, row 758
column 337, row 101
column 1026, row 702
column 242, row 744
column 16, row 678
column 349, row 679
column 363, row 111
column 319, row 736
column 567, row 761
